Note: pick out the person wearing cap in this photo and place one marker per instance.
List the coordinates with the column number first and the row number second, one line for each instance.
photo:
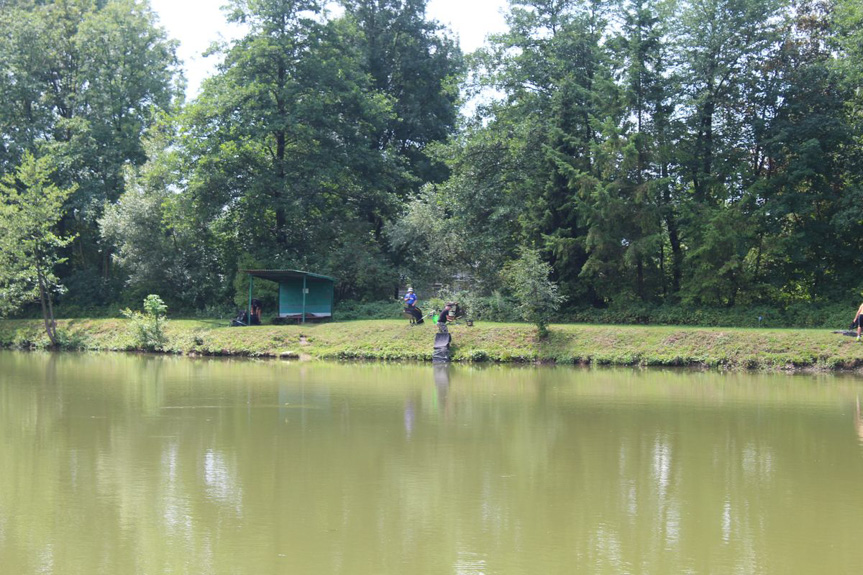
column 410, row 298
column 410, row 306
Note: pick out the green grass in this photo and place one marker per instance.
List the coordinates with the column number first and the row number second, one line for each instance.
column 728, row 348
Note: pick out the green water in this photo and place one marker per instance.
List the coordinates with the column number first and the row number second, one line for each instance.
column 122, row 464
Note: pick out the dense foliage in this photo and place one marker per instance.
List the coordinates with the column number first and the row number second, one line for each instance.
column 30, row 208
column 650, row 154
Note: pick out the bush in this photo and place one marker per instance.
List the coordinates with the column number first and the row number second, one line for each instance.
column 495, row 307
column 73, row 311
column 537, row 296
column 387, row 309
column 216, row 311
column 71, row 340
column 797, row 315
column 148, row 328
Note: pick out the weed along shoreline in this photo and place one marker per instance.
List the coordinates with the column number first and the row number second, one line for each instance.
column 395, row 340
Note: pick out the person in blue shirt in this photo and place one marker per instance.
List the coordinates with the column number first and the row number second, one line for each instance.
column 410, row 306
column 410, row 298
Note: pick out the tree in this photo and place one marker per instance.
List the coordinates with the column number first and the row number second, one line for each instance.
column 412, row 61
column 153, row 234
column 538, row 298
column 431, row 239
column 809, row 192
column 84, row 79
column 30, row 208
column 282, row 148
column 642, row 52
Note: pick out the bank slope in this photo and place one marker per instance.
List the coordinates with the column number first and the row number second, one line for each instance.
column 395, row 340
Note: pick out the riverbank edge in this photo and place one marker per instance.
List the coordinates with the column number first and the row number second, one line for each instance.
column 394, row 340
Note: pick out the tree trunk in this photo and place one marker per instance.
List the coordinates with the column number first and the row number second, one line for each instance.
column 281, row 137
column 673, row 238
column 47, row 308
column 704, row 148
column 676, row 253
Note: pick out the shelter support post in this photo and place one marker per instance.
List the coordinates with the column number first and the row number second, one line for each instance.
column 251, row 283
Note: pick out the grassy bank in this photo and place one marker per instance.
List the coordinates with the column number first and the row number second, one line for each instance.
column 498, row 342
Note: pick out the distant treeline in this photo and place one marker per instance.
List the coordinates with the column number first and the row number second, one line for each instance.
column 689, row 154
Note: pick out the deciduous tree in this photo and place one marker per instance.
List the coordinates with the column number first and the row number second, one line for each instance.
column 30, row 249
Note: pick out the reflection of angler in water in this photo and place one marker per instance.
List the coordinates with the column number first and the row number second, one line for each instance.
column 441, row 383
column 410, row 417
column 858, row 422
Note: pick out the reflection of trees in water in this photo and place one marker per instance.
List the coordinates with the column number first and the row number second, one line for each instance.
column 527, row 465
column 221, row 482
column 51, row 369
column 409, row 417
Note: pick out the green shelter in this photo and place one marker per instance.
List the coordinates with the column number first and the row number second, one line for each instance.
column 302, row 295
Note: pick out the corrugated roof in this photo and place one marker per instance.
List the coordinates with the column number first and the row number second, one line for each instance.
column 276, row 275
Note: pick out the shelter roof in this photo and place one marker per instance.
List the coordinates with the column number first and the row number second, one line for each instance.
column 276, row 275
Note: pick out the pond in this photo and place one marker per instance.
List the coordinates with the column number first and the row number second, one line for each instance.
column 119, row 464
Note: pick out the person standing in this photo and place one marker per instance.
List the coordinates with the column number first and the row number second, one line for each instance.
column 858, row 321
column 257, row 309
column 444, row 317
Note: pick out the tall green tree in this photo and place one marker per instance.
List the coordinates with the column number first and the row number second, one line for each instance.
column 721, row 45
column 85, row 79
column 282, row 143
column 154, row 235
column 555, row 88
column 625, row 199
column 412, row 60
column 30, row 249
column 810, row 187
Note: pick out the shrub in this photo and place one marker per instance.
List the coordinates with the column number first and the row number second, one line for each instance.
column 537, row 296
column 216, row 311
column 798, row 315
column 494, row 307
column 387, row 309
column 71, row 340
column 148, row 328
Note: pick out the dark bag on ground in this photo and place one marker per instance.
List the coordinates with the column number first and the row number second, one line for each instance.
column 242, row 319
column 415, row 312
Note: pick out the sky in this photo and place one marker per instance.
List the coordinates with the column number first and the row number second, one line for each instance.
column 198, row 23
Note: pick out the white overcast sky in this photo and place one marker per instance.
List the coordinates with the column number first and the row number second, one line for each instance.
column 197, row 23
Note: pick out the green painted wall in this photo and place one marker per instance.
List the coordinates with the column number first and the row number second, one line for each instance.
column 318, row 300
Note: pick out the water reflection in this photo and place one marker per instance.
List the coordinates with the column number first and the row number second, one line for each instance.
column 858, row 421
column 221, row 483
column 409, row 416
column 122, row 464
column 441, row 383
column 470, row 563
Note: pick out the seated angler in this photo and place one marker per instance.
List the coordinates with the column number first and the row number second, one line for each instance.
column 411, row 309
